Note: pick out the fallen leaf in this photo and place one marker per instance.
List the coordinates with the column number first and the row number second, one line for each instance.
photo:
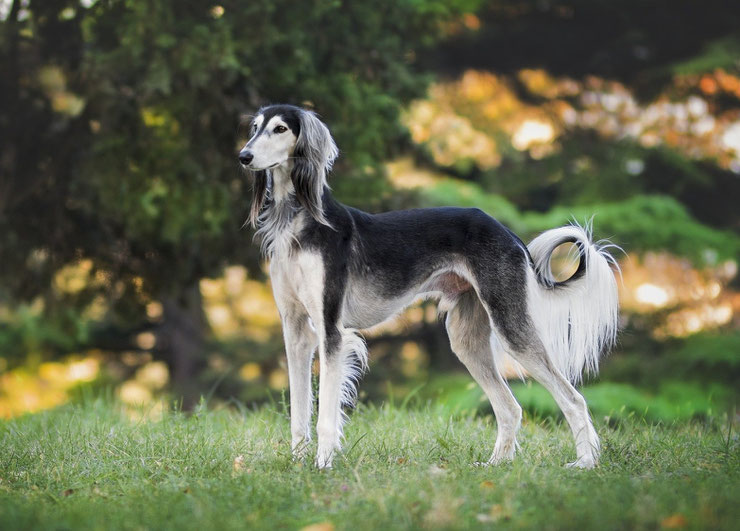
column 68, row 492
column 499, row 512
column 321, row 526
column 238, row 463
column 486, row 484
column 675, row 521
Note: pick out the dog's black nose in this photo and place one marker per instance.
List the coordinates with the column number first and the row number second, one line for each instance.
column 245, row 157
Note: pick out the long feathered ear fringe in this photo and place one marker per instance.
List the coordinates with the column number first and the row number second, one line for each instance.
column 313, row 157
column 258, row 196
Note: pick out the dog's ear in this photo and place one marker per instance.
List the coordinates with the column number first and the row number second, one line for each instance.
column 259, row 195
column 313, row 157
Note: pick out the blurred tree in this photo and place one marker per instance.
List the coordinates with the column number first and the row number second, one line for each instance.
column 120, row 122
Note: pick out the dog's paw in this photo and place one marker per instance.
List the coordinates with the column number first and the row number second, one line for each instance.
column 500, row 460
column 324, row 460
column 503, row 453
column 323, row 465
column 585, row 463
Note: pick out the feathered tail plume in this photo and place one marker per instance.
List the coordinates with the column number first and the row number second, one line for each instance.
column 577, row 319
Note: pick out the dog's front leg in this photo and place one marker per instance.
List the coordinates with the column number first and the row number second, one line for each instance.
column 323, row 306
column 300, row 344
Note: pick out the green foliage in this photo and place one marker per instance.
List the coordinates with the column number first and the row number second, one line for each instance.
column 668, row 401
column 672, row 401
column 88, row 466
column 718, row 53
column 26, row 335
column 712, row 350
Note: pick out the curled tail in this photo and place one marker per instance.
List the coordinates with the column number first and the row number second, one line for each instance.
column 577, row 319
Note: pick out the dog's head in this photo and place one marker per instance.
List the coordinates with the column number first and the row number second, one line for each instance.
column 292, row 138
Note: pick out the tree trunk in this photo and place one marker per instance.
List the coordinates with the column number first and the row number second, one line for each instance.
column 182, row 338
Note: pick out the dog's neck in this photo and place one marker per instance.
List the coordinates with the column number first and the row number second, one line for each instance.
column 283, row 215
column 275, row 223
column 281, row 183
column 282, row 205
column 282, row 194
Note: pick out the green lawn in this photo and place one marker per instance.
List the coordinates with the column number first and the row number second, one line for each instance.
column 89, row 466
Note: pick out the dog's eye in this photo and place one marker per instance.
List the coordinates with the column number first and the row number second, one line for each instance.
column 280, row 129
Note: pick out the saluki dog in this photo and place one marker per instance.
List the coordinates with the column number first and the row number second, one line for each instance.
column 336, row 270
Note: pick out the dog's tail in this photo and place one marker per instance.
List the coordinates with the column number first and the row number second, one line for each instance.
column 577, row 319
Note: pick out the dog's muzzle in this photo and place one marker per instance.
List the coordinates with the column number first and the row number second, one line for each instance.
column 245, row 157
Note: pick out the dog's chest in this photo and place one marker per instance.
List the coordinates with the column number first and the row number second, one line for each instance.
column 279, row 232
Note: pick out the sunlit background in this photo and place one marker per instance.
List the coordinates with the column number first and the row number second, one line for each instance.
column 125, row 269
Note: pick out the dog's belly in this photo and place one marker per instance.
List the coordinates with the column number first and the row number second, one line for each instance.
column 364, row 307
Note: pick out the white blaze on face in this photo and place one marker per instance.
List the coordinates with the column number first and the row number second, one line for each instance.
column 257, row 124
column 271, row 145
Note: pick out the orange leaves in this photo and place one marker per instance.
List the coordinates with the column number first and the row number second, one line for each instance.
column 720, row 81
column 462, row 122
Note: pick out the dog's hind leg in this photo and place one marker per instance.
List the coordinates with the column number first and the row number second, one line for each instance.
column 470, row 338
column 506, row 304
column 570, row 401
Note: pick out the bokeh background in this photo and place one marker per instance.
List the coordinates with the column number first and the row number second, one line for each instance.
column 124, row 265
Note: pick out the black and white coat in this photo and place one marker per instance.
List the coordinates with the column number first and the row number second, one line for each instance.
column 336, row 270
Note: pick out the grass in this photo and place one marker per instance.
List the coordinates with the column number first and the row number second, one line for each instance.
column 88, row 466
